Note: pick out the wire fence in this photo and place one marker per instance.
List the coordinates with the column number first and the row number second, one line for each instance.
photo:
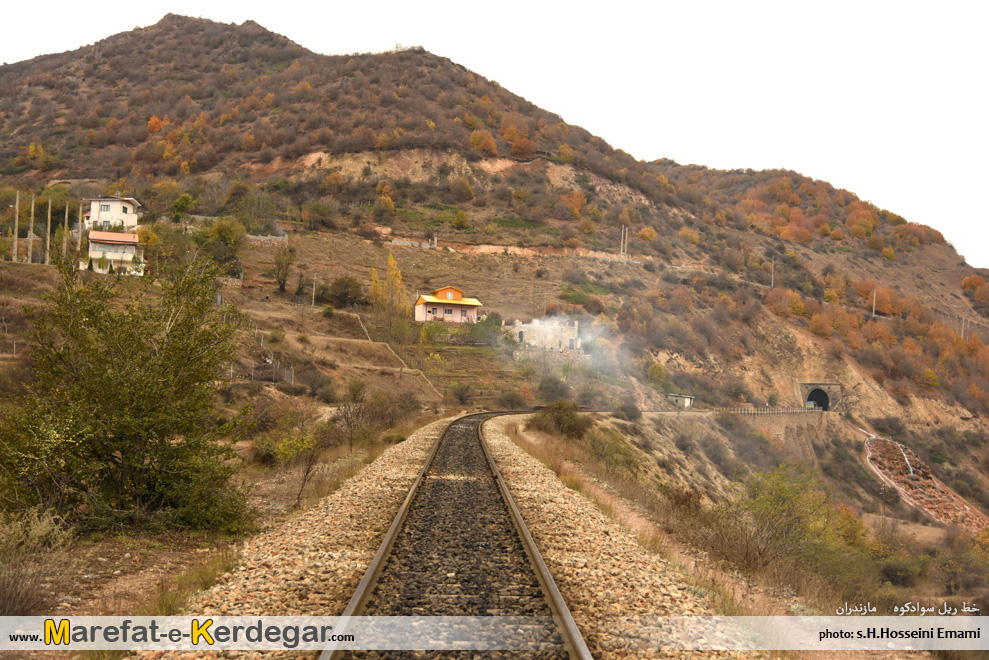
column 12, row 348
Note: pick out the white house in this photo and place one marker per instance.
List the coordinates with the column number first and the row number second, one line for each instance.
column 112, row 211
column 123, row 251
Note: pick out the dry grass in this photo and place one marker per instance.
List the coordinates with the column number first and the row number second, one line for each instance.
column 28, row 545
column 172, row 594
column 636, row 505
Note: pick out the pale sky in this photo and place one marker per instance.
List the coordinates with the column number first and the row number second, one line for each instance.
column 886, row 99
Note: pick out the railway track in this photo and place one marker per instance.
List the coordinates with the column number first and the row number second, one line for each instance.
column 459, row 547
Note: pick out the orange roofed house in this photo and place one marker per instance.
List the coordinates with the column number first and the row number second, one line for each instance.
column 447, row 304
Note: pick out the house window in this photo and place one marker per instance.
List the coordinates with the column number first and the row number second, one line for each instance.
column 448, row 312
column 434, row 310
column 449, row 295
column 125, row 209
column 104, row 207
column 463, row 313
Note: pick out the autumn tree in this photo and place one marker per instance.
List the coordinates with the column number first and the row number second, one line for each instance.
column 383, row 206
column 484, row 142
column 389, row 297
column 461, row 189
column 973, row 282
column 523, row 149
column 574, row 202
column 155, row 125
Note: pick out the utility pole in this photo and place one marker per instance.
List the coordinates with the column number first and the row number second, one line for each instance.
column 48, row 234
column 313, row 290
column 17, row 215
column 65, row 232
column 30, row 232
column 79, row 235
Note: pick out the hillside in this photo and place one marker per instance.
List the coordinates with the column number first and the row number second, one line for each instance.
column 745, row 290
column 194, row 96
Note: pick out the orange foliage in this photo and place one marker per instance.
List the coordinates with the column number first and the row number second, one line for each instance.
column 574, row 202
column 484, row 142
column 875, row 331
column 523, row 149
column 689, row 235
column 155, row 124
column 861, row 219
column 887, row 302
column 784, row 302
column 844, row 322
column 973, row 282
column 916, row 234
column 864, row 288
column 820, row 325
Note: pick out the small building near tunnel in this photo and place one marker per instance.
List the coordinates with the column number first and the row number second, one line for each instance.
column 446, row 304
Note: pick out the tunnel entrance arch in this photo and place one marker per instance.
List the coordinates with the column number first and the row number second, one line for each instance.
column 825, row 395
column 819, row 398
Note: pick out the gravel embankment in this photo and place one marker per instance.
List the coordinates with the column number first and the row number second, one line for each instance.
column 600, row 568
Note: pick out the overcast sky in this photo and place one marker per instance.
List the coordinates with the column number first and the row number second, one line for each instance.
column 886, row 99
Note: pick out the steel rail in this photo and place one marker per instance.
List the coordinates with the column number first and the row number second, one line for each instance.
column 573, row 640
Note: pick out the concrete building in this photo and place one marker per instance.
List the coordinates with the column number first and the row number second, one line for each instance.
column 681, row 400
column 123, row 251
column 447, row 304
column 110, row 212
column 551, row 333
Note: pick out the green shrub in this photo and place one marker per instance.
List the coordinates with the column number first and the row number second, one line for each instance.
column 275, row 336
column 562, row 417
column 627, row 409
column 142, row 445
column 553, row 389
column 328, row 312
column 327, row 393
column 511, row 400
column 462, row 393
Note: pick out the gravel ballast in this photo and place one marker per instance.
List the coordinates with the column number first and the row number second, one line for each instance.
column 599, row 567
column 311, row 564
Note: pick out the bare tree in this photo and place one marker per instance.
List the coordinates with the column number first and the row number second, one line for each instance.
column 283, row 264
column 322, row 437
column 354, row 414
